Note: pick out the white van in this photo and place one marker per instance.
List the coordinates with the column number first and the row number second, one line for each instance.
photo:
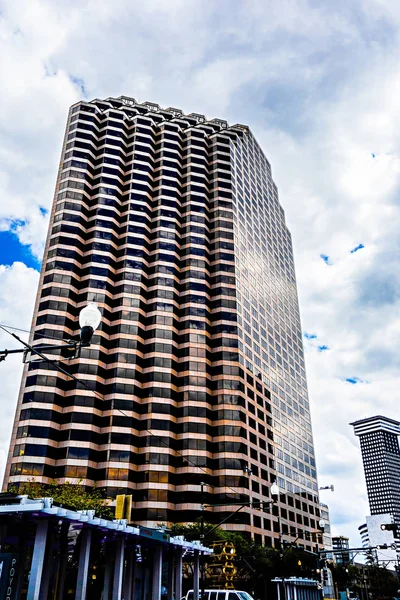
column 220, row 595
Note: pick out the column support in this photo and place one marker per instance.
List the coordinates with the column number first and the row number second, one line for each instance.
column 39, row 551
column 178, row 575
column 83, row 568
column 171, row 574
column 63, row 562
column 128, row 575
column 49, row 565
column 108, row 571
column 196, row 573
column 157, row 572
column 118, row 568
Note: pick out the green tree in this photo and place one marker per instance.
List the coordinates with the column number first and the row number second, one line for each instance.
column 256, row 565
column 69, row 495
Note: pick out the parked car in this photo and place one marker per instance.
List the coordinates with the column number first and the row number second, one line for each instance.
column 220, row 595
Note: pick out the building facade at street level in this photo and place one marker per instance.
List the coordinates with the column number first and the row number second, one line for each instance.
column 381, row 459
column 341, row 542
column 172, row 224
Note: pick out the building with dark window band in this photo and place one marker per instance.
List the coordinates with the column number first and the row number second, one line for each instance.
column 172, row 224
column 379, row 441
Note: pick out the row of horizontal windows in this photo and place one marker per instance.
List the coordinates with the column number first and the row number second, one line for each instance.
column 153, row 238
column 119, row 240
column 56, row 260
column 155, row 458
column 117, row 124
column 157, row 140
column 134, row 362
column 211, row 175
column 83, row 453
column 143, row 157
column 92, row 250
column 147, row 171
column 111, row 284
column 194, row 224
column 89, row 199
column 158, row 124
column 158, row 275
column 137, row 183
column 140, row 330
column 151, row 219
column 195, row 336
column 140, row 301
column 179, row 322
column 145, row 114
column 144, row 265
column 201, row 380
column 198, row 396
column 167, row 150
column 176, row 412
column 180, row 314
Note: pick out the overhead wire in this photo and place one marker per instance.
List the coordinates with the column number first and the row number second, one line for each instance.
column 101, row 397
column 37, row 334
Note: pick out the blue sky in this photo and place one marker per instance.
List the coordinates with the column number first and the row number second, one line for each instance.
column 318, row 83
column 12, row 250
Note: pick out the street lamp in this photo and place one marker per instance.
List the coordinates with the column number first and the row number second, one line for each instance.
column 275, row 491
column 89, row 320
column 328, row 487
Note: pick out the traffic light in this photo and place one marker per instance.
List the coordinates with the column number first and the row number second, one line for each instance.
column 382, row 547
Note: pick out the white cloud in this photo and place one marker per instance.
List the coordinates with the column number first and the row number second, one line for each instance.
column 17, row 296
column 318, row 84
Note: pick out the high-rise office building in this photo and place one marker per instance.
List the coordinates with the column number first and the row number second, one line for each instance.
column 340, row 542
column 172, row 224
column 381, row 459
column 327, row 533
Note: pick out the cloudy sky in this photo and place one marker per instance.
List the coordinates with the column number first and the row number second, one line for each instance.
column 318, row 83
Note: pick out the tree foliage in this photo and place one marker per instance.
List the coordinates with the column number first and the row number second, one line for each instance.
column 70, row 495
column 256, row 565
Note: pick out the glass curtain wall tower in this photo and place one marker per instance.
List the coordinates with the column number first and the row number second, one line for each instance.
column 172, row 224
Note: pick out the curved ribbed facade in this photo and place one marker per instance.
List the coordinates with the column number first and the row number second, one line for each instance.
column 172, row 224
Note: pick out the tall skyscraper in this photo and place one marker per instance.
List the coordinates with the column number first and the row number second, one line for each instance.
column 381, row 458
column 172, row 224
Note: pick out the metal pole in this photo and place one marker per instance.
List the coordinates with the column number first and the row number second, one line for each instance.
column 202, row 541
column 196, row 576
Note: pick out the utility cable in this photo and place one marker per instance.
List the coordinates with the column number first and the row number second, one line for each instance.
column 101, row 397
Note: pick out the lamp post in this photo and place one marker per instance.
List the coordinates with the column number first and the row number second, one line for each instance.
column 275, row 493
column 89, row 320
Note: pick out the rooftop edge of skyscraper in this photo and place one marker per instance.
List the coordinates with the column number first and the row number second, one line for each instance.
column 173, row 112
column 376, row 423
